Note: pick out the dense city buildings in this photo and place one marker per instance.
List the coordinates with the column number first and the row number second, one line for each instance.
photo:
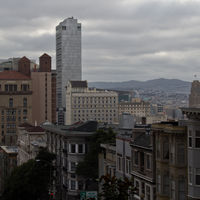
column 193, row 149
column 83, row 104
column 42, row 91
column 143, row 162
column 16, row 104
column 68, row 60
column 8, row 158
column 171, row 160
column 136, row 107
column 29, row 140
column 70, row 144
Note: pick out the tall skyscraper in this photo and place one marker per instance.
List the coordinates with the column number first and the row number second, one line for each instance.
column 68, row 60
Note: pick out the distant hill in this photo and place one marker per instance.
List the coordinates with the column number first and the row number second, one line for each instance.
column 166, row 85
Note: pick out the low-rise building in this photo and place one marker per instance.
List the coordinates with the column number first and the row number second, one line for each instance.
column 171, row 161
column 83, row 104
column 70, row 144
column 30, row 140
column 143, row 163
column 8, row 157
column 107, row 160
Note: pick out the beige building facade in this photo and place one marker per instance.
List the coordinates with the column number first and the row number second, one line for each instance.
column 15, row 104
column 42, row 92
column 83, row 104
column 136, row 107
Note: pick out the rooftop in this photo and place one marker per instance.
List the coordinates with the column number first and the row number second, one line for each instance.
column 13, row 75
column 79, row 84
column 28, row 127
column 86, row 128
column 10, row 149
column 143, row 140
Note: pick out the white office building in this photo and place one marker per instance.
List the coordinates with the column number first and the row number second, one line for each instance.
column 68, row 59
column 83, row 104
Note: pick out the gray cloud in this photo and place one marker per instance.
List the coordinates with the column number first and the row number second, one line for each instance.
column 122, row 39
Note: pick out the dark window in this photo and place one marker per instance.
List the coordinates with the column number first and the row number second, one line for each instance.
column 25, row 102
column 197, row 139
column 80, row 148
column 11, row 102
column 197, row 176
column 136, row 157
column 63, row 27
column 73, row 148
column 166, row 150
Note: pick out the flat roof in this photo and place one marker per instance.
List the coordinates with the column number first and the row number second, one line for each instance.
column 10, row 149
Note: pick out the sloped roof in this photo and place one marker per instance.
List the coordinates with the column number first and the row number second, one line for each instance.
column 45, row 55
column 13, row 75
column 143, row 140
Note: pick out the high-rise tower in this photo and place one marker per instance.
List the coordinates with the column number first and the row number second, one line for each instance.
column 68, row 59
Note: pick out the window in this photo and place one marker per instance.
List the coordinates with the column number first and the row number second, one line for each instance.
column 119, row 162
column 63, row 28
column 181, row 154
column 73, row 148
column 143, row 188
column 197, row 176
column 10, row 88
column 72, row 166
column 159, row 183
column 166, row 184
column 197, row 139
column 181, row 189
column 24, row 112
column 148, row 162
column 72, row 185
column 165, row 150
column 10, row 102
column 173, row 190
column 190, row 139
column 148, row 193
column 128, row 166
column 136, row 157
column 80, row 148
column 137, row 185
column 190, row 174
column 25, row 102
column 25, row 87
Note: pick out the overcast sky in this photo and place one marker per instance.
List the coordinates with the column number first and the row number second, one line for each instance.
column 121, row 39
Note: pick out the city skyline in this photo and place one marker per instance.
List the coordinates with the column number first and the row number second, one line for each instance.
column 122, row 40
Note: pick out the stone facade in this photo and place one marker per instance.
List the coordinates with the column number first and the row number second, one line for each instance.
column 15, row 104
column 171, row 161
column 30, row 139
column 194, row 97
column 83, row 104
column 70, row 144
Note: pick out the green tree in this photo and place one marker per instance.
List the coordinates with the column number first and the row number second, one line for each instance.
column 89, row 167
column 116, row 189
column 31, row 180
